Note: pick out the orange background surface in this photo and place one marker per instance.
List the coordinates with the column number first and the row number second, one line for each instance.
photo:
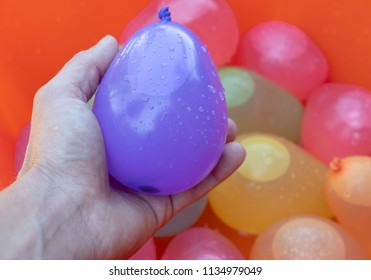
column 38, row 37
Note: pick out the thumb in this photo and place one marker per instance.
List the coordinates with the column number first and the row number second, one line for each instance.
column 80, row 77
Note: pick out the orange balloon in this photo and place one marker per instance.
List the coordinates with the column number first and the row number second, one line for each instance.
column 348, row 192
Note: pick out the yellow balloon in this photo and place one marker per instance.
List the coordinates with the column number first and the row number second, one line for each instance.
column 268, row 159
column 277, row 179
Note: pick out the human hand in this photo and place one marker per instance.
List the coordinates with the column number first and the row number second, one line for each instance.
column 67, row 206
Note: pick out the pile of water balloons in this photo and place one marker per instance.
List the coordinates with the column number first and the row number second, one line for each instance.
column 303, row 191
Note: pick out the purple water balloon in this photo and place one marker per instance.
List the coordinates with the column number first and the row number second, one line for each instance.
column 162, row 110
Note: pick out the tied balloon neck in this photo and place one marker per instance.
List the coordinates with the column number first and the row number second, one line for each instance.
column 164, row 14
column 335, row 165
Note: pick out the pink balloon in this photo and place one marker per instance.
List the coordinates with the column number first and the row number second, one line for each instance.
column 284, row 54
column 337, row 122
column 146, row 252
column 201, row 243
column 212, row 20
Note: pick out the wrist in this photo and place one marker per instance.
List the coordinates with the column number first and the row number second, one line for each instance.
column 35, row 213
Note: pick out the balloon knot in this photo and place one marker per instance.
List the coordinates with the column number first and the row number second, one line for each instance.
column 335, row 165
column 164, row 14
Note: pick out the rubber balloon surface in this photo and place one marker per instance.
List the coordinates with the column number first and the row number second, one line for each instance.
column 162, row 110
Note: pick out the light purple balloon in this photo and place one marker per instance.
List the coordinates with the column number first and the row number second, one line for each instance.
column 162, row 110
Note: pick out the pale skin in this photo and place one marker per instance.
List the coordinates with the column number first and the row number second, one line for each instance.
column 62, row 205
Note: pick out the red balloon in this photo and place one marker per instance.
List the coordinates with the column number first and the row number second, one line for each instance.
column 212, row 20
column 201, row 243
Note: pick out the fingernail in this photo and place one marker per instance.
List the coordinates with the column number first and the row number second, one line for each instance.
column 104, row 40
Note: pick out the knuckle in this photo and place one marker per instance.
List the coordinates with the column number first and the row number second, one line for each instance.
column 40, row 94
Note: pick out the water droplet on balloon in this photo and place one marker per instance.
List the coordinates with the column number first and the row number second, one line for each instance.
column 200, row 109
column 211, row 89
column 163, row 116
column 221, row 95
column 171, row 49
column 203, row 48
column 347, row 194
column 189, row 109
